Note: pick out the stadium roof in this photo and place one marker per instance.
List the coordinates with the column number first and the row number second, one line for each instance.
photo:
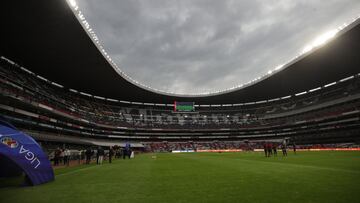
column 47, row 38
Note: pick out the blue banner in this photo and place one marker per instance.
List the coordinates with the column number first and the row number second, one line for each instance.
column 23, row 151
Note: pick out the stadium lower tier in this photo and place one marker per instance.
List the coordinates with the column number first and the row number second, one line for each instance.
column 48, row 112
column 338, row 122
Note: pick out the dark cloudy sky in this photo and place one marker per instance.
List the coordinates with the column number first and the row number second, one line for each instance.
column 192, row 46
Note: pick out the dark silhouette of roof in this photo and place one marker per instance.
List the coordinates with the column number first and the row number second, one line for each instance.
column 45, row 37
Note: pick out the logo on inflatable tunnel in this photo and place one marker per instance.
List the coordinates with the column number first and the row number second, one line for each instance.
column 10, row 142
column 30, row 156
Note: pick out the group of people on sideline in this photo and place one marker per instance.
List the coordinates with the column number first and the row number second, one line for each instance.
column 64, row 156
column 270, row 149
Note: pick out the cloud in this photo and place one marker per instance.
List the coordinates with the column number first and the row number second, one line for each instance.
column 192, row 46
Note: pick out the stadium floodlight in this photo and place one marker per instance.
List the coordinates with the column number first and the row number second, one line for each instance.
column 316, row 89
column 98, row 97
column 204, row 105
column 72, row 90
column 26, row 70
column 56, row 84
column 8, row 60
column 307, row 49
column 260, row 102
column 238, row 104
column 348, row 78
column 125, row 102
column 42, row 78
column 271, row 100
column 85, row 94
column 330, row 84
column 301, row 93
column 279, row 67
column 73, row 3
column 286, row 97
column 320, row 40
column 113, row 100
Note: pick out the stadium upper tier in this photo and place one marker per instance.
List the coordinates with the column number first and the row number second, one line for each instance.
column 37, row 105
column 53, row 43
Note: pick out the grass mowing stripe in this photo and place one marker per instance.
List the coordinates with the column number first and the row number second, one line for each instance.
column 300, row 165
column 273, row 160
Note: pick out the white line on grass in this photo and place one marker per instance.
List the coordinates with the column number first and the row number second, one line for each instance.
column 75, row 171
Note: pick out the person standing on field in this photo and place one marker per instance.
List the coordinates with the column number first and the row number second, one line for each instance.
column 67, row 156
column 111, row 154
column 274, row 149
column 270, row 146
column 100, row 155
column 57, row 156
column 265, row 149
column 283, row 147
column 88, row 154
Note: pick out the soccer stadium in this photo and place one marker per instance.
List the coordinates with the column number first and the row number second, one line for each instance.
column 75, row 126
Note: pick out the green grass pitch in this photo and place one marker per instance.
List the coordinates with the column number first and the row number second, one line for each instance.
column 204, row 177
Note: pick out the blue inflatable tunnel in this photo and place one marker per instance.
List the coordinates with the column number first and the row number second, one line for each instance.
column 20, row 153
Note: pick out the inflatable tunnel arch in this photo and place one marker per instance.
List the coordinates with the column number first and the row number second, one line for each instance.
column 21, row 153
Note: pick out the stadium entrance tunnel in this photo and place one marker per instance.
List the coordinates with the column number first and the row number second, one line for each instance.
column 21, row 154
